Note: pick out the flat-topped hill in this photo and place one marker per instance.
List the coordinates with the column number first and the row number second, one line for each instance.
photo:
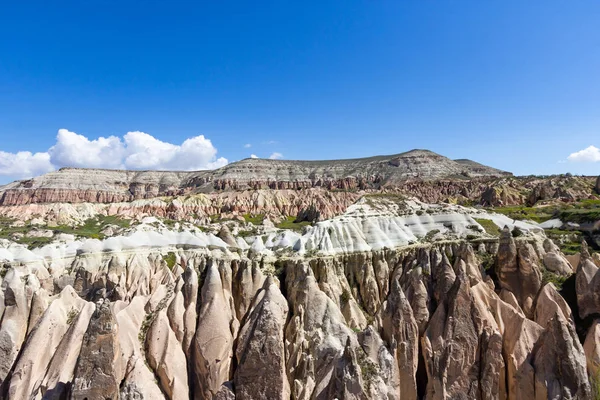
column 105, row 186
column 419, row 164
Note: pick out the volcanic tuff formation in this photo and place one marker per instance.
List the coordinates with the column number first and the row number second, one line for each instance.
column 103, row 186
column 380, row 297
column 419, row 173
column 423, row 321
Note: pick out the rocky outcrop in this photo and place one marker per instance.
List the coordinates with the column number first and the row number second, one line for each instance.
column 591, row 347
column 216, row 330
column 98, row 373
column 260, row 348
column 197, row 208
column 108, row 186
column 559, row 361
column 401, row 333
column 554, row 261
column 422, row 321
column 587, row 284
column 518, row 270
column 462, row 351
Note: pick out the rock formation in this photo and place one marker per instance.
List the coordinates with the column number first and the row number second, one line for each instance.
column 367, row 295
column 289, row 335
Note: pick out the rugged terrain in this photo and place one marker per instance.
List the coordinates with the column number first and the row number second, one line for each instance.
column 102, row 186
column 294, row 280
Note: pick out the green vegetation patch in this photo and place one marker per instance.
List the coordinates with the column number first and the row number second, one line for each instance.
column 368, row 369
column 489, row 226
column 582, row 211
column 290, row 223
column 429, row 236
column 569, row 242
column 551, row 277
column 73, row 313
column 247, row 233
column 570, row 248
column 254, row 219
column 170, row 259
column 114, row 220
column 580, row 215
column 373, row 198
column 345, row 297
column 537, row 214
column 91, row 229
column 487, row 261
column 387, row 196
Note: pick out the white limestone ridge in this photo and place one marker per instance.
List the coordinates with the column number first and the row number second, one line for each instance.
column 367, row 225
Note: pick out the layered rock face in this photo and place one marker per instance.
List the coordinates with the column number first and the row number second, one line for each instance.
column 109, row 186
column 77, row 185
column 381, row 297
column 277, row 187
column 273, row 204
column 434, row 321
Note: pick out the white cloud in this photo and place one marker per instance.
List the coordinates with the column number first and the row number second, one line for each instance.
column 247, row 145
column 24, row 164
column 136, row 150
column 73, row 150
column 275, row 156
column 144, row 151
column 590, row 154
column 253, row 156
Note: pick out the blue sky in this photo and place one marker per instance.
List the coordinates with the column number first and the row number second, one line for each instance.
column 511, row 84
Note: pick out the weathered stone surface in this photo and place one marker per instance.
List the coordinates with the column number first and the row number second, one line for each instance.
column 104, row 186
column 166, row 358
column 518, row 271
column 587, row 284
column 18, row 289
column 98, row 367
column 42, row 346
column 591, row 347
column 389, row 324
column 450, row 345
column 213, row 342
column 401, row 332
column 554, row 261
column 260, row 353
column 548, row 304
column 560, row 365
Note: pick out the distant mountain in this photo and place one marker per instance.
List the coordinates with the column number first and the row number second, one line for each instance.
column 105, row 186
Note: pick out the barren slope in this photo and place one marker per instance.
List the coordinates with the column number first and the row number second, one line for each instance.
column 74, row 185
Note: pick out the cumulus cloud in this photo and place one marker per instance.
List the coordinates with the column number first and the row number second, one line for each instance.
column 247, row 145
column 253, row 156
column 24, row 164
column 589, row 154
column 144, row 151
column 73, row 150
column 135, row 150
column 275, row 156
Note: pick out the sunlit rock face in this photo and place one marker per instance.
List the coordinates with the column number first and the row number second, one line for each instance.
column 75, row 185
column 426, row 320
column 359, row 295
